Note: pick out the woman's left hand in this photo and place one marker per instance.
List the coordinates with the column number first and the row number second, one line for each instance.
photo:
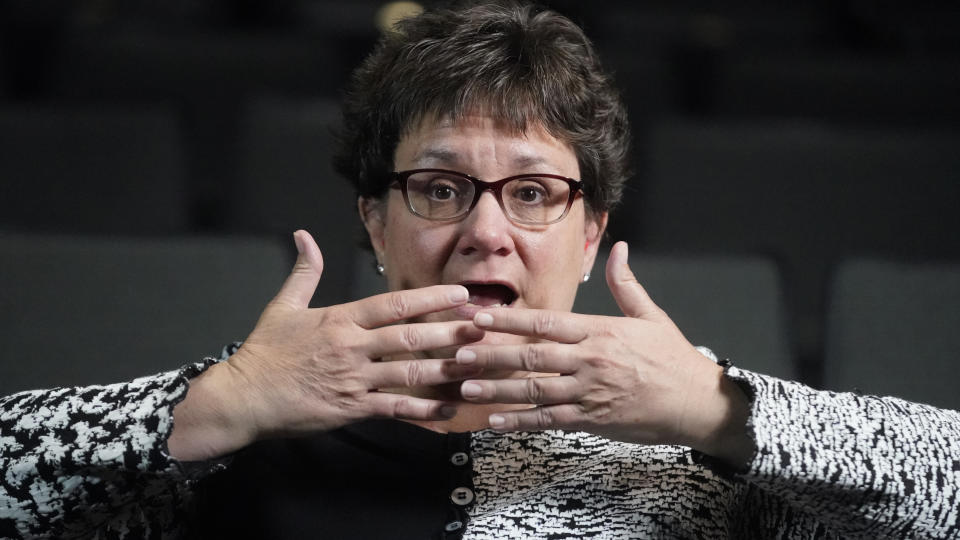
column 634, row 378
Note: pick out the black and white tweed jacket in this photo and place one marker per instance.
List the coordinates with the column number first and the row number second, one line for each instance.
column 92, row 463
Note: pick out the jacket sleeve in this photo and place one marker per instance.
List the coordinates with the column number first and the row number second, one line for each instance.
column 78, row 461
column 863, row 466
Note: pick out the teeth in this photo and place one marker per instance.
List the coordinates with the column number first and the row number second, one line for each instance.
column 489, row 306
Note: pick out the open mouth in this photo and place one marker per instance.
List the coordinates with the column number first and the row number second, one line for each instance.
column 490, row 294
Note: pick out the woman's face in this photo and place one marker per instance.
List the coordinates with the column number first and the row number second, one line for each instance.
column 499, row 262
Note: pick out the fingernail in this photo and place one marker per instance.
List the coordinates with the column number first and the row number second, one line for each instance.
column 448, row 411
column 470, row 390
column 497, row 421
column 459, row 295
column 483, row 319
column 466, row 356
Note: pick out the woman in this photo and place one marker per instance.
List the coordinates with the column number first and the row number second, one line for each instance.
column 487, row 148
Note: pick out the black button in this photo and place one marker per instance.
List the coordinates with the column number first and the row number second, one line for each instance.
column 459, row 459
column 461, row 496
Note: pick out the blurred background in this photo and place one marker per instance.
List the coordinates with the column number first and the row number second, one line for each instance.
column 794, row 203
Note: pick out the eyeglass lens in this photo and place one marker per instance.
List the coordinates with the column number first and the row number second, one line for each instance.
column 438, row 195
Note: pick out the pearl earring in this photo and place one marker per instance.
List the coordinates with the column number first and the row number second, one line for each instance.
column 586, row 277
column 380, row 268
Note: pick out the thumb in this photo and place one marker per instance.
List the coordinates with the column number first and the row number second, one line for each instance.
column 302, row 282
column 627, row 291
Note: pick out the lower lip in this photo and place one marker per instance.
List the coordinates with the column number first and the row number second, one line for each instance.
column 467, row 311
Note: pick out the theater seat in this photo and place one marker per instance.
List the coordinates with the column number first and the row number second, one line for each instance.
column 893, row 330
column 286, row 182
column 81, row 310
column 803, row 193
column 733, row 305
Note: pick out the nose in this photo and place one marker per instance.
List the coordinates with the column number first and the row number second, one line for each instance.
column 486, row 230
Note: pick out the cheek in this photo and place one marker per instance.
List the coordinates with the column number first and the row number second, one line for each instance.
column 554, row 270
column 416, row 253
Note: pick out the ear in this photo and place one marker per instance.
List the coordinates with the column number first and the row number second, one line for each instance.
column 594, row 227
column 371, row 212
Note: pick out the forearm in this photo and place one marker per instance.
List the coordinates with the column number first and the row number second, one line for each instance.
column 866, row 466
column 74, row 458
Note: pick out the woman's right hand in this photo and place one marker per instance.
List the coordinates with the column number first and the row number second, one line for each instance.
column 305, row 369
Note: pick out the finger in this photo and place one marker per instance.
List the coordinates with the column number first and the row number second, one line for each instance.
column 416, row 337
column 535, row 390
column 387, row 405
column 537, row 418
column 560, row 326
column 535, row 357
column 300, row 285
column 409, row 373
column 399, row 305
column 627, row 291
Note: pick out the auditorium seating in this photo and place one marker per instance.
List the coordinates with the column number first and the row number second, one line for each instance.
column 286, row 182
column 733, row 305
column 778, row 140
column 893, row 330
column 803, row 193
column 83, row 309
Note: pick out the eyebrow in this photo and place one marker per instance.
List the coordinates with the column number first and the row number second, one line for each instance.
column 450, row 158
column 443, row 155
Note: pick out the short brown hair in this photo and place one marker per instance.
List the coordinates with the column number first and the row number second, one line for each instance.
column 515, row 62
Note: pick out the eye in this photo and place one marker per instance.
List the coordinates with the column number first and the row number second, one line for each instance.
column 440, row 190
column 529, row 192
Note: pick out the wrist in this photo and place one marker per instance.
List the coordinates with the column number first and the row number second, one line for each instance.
column 213, row 418
column 722, row 412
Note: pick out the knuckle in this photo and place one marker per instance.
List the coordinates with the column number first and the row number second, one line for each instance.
column 531, row 357
column 348, row 396
column 414, row 374
column 399, row 305
column 276, row 304
column 401, row 409
column 337, row 341
column 347, row 401
column 599, row 413
column 534, row 390
column 597, row 362
column 607, row 330
column 411, row 337
column 543, row 323
column 331, row 316
column 544, row 417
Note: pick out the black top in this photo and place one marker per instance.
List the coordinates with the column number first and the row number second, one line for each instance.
column 375, row 479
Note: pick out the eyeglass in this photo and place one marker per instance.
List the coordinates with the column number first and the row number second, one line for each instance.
column 530, row 199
